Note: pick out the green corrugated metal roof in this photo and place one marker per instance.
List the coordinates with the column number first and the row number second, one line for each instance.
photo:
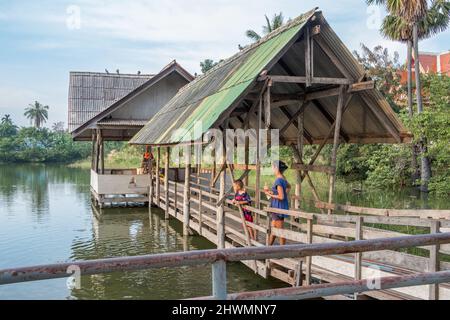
column 207, row 97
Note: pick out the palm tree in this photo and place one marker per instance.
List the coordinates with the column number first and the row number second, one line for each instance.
column 271, row 25
column 411, row 21
column 37, row 113
column 6, row 119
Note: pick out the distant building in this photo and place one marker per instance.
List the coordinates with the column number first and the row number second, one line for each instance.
column 430, row 62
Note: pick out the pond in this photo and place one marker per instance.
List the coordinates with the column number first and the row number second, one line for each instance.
column 46, row 217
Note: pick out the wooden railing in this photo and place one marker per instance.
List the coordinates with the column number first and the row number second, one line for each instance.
column 313, row 228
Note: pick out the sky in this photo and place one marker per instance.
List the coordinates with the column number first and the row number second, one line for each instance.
column 42, row 41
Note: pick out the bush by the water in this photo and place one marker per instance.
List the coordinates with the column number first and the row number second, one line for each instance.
column 39, row 145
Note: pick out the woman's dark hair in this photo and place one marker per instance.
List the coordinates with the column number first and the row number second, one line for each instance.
column 240, row 183
column 280, row 165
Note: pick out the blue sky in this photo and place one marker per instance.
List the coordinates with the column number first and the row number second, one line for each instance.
column 42, row 41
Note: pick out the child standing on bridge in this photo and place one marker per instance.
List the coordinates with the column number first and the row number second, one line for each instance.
column 241, row 197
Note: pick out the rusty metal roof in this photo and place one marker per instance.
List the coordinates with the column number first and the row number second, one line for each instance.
column 96, row 117
column 90, row 93
column 211, row 98
column 122, row 122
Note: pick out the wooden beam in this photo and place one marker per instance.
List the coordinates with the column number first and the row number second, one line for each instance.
column 434, row 260
column 330, row 118
column 187, row 191
column 382, row 118
column 334, row 59
column 293, row 98
column 166, row 183
column 308, row 57
column 158, row 181
column 301, row 79
column 340, row 108
column 150, row 178
column 295, row 123
column 297, row 114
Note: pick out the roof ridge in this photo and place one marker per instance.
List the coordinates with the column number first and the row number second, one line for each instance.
column 112, row 74
column 294, row 22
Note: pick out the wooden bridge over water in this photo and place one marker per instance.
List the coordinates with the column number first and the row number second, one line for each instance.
column 205, row 219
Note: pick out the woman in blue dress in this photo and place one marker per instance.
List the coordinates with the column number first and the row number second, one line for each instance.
column 279, row 197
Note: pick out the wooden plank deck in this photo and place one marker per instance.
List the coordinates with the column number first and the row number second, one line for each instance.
column 331, row 269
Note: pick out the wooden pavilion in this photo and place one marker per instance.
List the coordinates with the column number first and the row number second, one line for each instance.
column 114, row 107
column 301, row 80
column 304, row 82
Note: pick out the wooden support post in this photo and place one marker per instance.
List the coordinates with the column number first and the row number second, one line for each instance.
column 299, row 274
column 158, row 181
column 298, row 173
column 219, row 280
column 102, row 153
column 434, row 260
column 358, row 255
column 337, row 130
column 97, row 153
column 175, row 186
column 308, row 56
column 247, row 151
column 268, row 233
column 166, row 183
column 94, row 141
column 187, row 191
column 309, row 240
column 150, row 178
column 220, row 219
column 200, row 198
column 258, row 158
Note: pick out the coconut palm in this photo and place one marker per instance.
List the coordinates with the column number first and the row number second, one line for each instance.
column 411, row 21
column 37, row 113
column 271, row 25
column 6, row 119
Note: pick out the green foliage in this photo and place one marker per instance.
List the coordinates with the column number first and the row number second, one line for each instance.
column 125, row 157
column 434, row 123
column 383, row 69
column 37, row 113
column 276, row 22
column 39, row 145
column 208, row 64
column 388, row 166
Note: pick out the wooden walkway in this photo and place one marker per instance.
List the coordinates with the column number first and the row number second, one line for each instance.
column 305, row 228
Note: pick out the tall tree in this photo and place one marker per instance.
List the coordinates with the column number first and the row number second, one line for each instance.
column 208, row 64
column 58, row 127
column 6, row 119
column 271, row 25
column 37, row 113
column 7, row 127
column 411, row 21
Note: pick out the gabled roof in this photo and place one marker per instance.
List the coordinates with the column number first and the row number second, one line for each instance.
column 212, row 98
column 91, row 92
column 92, row 96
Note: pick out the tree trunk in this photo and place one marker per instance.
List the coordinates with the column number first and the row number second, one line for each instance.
column 425, row 161
column 415, row 174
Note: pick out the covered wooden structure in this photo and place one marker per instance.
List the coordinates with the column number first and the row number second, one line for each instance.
column 114, row 107
column 302, row 81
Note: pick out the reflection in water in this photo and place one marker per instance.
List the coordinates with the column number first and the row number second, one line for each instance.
column 131, row 232
column 46, row 217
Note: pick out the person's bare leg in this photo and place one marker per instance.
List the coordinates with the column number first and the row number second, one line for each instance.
column 271, row 240
column 282, row 241
column 251, row 232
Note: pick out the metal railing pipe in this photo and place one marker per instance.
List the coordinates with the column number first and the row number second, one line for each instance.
column 190, row 258
column 341, row 288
